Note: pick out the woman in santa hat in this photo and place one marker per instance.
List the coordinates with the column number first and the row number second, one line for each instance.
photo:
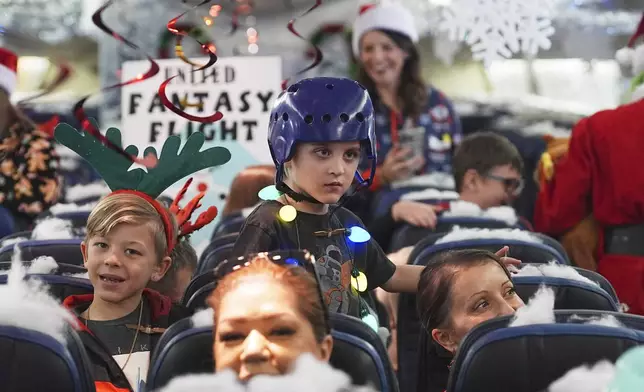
column 28, row 180
column 416, row 126
column 600, row 175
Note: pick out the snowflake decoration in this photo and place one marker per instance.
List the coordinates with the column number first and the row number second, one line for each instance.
column 497, row 29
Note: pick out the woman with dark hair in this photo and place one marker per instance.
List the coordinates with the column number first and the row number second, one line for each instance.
column 29, row 184
column 416, row 126
column 457, row 291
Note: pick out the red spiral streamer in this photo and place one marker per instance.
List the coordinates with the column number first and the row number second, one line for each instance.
column 318, row 52
column 174, row 28
column 64, row 71
column 79, row 112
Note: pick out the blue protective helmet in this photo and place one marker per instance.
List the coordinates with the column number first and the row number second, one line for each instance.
column 322, row 110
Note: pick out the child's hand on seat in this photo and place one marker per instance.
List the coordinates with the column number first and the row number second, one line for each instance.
column 508, row 261
column 415, row 213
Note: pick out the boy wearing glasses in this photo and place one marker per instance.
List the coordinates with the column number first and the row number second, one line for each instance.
column 487, row 170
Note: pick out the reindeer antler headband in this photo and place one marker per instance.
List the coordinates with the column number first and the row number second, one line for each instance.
column 171, row 167
column 183, row 214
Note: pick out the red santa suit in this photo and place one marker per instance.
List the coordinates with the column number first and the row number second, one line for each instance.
column 602, row 175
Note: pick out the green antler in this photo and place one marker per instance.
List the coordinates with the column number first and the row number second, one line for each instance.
column 111, row 165
column 172, row 166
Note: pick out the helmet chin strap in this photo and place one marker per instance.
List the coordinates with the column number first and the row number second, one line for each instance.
column 287, row 190
column 298, row 197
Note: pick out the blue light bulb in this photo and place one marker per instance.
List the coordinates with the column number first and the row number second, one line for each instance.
column 291, row 261
column 269, row 193
column 358, row 235
column 371, row 321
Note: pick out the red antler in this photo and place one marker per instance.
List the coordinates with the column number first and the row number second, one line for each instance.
column 204, row 218
column 184, row 214
column 174, row 207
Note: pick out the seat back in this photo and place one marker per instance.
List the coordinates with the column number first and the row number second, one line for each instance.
column 60, row 287
column 521, row 250
column 195, row 285
column 64, row 251
column 19, row 234
column 63, row 269
column 34, row 362
column 569, row 293
column 213, row 258
column 408, row 235
column 78, row 218
column 216, row 243
column 357, row 350
column 529, row 252
column 540, row 354
column 229, row 224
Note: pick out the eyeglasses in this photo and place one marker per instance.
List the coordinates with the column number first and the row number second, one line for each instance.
column 285, row 258
column 513, row 185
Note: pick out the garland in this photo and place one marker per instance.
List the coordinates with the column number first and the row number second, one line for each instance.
column 328, row 30
column 167, row 39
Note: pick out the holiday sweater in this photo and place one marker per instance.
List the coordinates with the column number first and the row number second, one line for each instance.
column 29, row 183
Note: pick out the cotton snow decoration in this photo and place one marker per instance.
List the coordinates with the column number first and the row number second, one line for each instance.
column 26, row 303
column 53, row 229
column 539, row 310
column 460, row 234
column 554, row 270
column 61, row 208
column 607, row 320
column 430, row 194
column 203, row 318
column 460, row 208
column 225, row 381
column 595, row 378
column 43, row 265
column 85, row 191
column 308, row 374
column 82, row 275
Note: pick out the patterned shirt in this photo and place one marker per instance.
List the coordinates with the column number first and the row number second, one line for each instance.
column 29, row 184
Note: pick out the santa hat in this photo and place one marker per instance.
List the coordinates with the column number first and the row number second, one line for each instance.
column 8, row 70
column 382, row 15
column 633, row 54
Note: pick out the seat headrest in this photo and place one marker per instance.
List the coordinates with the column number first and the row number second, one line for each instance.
column 528, row 252
column 218, row 241
column 408, row 235
column 35, row 362
column 229, row 224
column 195, row 284
column 214, row 257
column 60, row 287
column 77, row 218
column 569, row 293
column 537, row 354
column 357, row 350
column 64, row 251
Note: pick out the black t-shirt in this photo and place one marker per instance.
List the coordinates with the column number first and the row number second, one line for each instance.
column 336, row 256
column 118, row 337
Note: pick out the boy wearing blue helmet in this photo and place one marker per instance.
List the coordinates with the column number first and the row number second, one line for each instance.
column 319, row 130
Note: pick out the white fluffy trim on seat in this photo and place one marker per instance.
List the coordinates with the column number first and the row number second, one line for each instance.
column 460, row 208
column 461, row 234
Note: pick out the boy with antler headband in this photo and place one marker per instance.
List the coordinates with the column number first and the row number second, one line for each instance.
column 130, row 238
